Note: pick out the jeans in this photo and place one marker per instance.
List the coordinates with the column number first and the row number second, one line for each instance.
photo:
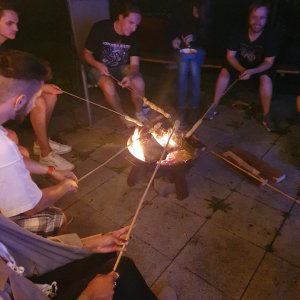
column 190, row 63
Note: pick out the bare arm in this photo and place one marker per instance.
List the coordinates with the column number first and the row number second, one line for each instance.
column 265, row 65
column 231, row 58
column 89, row 58
column 52, row 194
column 134, row 68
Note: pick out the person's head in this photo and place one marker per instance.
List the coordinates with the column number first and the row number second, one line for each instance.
column 201, row 9
column 21, row 78
column 258, row 16
column 129, row 18
column 8, row 21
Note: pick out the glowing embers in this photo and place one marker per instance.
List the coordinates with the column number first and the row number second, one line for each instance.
column 148, row 147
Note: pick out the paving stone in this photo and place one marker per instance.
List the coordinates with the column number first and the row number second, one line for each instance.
column 87, row 221
column 187, row 285
column 218, row 256
column 213, row 168
column 264, row 195
column 200, row 191
column 275, row 279
column 116, row 200
column 287, row 243
column 249, row 219
column 166, row 226
column 149, row 261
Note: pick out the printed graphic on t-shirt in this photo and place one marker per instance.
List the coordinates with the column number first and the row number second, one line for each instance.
column 251, row 53
column 114, row 55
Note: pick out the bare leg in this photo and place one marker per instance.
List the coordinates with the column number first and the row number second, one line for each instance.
column 40, row 117
column 265, row 92
column 138, row 84
column 110, row 93
column 222, row 83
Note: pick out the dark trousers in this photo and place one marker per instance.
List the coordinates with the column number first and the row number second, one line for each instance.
column 73, row 278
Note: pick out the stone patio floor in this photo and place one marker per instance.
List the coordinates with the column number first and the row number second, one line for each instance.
column 230, row 238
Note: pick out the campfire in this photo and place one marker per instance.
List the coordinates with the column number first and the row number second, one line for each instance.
column 146, row 148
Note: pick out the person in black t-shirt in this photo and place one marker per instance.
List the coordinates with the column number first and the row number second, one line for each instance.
column 111, row 49
column 251, row 52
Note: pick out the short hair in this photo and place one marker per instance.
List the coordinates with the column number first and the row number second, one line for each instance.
column 20, row 72
column 7, row 5
column 127, row 7
column 257, row 4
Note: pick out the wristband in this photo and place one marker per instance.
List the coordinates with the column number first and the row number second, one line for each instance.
column 50, row 170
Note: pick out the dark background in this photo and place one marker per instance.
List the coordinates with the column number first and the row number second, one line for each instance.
column 45, row 29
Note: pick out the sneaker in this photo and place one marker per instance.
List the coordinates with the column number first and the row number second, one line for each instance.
column 141, row 117
column 58, row 162
column 211, row 114
column 167, row 293
column 55, row 146
column 269, row 124
column 145, row 109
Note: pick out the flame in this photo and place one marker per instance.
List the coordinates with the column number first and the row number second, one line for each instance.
column 136, row 148
column 163, row 138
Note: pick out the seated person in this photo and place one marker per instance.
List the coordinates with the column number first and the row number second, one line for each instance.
column 110, row 46
column 251, row 53
column 32, row 267
column 21, row 81
column 48, row 150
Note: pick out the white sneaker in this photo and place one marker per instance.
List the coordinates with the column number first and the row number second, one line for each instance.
column 141, row 117
column 55, row 146
column 58, row 162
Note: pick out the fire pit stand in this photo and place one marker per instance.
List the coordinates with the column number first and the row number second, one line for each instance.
column 176, row 174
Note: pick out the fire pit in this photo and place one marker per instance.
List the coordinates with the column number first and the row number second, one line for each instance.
column 146, row 150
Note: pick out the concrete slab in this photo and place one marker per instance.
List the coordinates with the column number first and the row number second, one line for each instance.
column 275, row 279
column 218, row 256
column 189, row 286
column 249, row 219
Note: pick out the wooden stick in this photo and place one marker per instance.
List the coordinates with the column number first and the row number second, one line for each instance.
column 198, row 123
column 145, row 100
column 138, row 123
column 256, row 177
column 118, row 153
column 174, row 129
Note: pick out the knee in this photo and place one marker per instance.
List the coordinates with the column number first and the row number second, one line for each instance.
column 40, row 105
column 224, row 74
column 108, row 87
column 265, row 81
column 139, row 83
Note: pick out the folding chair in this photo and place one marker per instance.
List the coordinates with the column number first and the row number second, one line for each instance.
column 83, row 14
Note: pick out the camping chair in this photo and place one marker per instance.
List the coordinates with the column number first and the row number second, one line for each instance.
column 83, row 14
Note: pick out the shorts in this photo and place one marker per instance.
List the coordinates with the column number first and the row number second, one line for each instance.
column 45, row 223
column 118, row 72
column 234, row 74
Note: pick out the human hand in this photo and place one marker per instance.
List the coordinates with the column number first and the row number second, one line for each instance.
column 125, row 82
column 102, row 68
column 109, row 242
column 246, row 74
column 188, row 39
column 61, row 175
column 101, row 287
column 69, row 185
column 51, row 89
column 176, row 43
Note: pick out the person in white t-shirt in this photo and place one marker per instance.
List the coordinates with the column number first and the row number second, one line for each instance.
column 21, row 80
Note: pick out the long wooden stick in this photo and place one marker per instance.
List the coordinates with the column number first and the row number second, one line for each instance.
column 118, row 153
column 138, row 123
column 256, row 177
column 198, row 123
column 174, row 129
column 145, row 100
